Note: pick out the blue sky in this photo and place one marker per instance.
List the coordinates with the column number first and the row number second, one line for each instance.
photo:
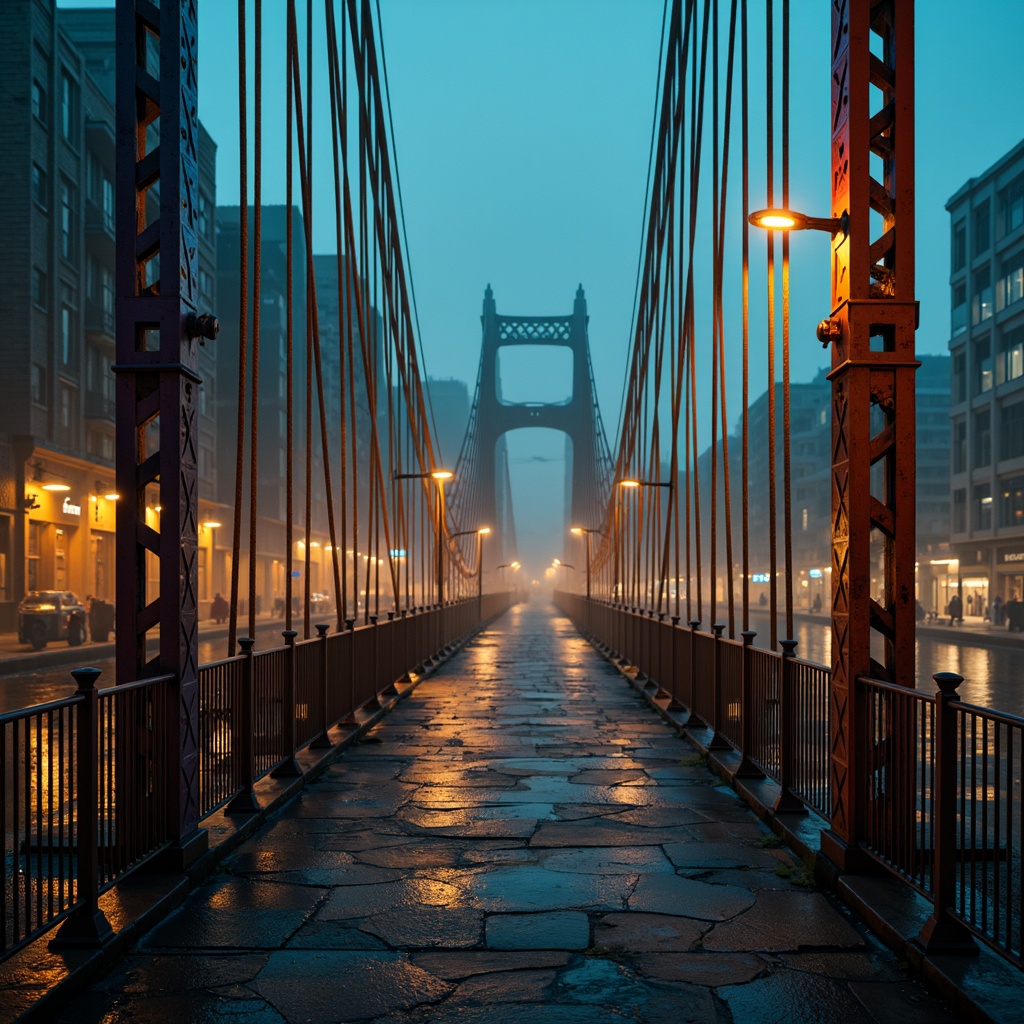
column 522, row 132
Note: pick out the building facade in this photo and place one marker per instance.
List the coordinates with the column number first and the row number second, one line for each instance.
column 986, row 347
column 57, row 497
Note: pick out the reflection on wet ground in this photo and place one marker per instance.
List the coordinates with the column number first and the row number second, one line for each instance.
column 521, row 841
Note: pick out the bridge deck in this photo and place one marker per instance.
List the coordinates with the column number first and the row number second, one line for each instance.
column 521, row 840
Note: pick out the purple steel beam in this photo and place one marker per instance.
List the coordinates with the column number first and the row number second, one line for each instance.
column 157, row 379
column 871, row 329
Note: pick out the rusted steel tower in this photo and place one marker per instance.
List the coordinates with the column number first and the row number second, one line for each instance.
column 158, row 331
column 871, row 329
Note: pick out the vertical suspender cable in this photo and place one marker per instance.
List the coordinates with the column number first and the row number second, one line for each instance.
column 770, row 170
column 257, row 269
column 745, row 242
column 243, row 317
column 290, row 326
column 787, row 480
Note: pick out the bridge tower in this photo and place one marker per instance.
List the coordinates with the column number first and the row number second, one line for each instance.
column 578, row 417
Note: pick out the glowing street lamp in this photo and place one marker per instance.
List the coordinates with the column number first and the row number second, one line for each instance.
column 585, row 532
column 791, row 220
column 440, row 476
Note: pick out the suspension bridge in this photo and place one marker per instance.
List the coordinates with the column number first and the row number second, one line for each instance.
column 582, row 849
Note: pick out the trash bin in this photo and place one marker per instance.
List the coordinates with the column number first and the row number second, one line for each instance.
column 101, row 620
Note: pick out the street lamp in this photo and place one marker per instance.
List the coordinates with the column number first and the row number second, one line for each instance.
column 791, row 220
column 629, row 483
column 439, row 475
column 585, row 532
column 514, row 566
column 480, row 532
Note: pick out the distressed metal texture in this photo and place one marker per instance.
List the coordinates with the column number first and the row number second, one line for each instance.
column 873, row 367
column 157, row 284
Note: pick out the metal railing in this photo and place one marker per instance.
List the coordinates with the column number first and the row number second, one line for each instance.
column 938, row 781
column 81, row 794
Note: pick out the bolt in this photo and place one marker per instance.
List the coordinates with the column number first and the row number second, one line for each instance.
column 202, row 326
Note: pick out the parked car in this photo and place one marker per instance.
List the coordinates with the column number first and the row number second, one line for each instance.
column 46, row 615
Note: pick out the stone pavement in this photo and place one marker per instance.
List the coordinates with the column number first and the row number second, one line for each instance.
column 522, row 840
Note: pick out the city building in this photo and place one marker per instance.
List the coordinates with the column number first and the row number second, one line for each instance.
column 986, row 346
column 57, row 422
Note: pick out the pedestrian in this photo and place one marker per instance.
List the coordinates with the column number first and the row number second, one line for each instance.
column 955, row 609
column 219, row 609
column 997, row 611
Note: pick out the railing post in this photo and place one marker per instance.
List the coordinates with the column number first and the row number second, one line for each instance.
column 374, row 703
column 693, row 718
column 322, row 741
column 408, row 645
column 289, row 767
column 718, row 741
column 87, row 925
column 943, row 931
column 392, row 676
column 747, row 769
column 787, row 802
column 245, row 801
column 675, row 704
column 350, row 716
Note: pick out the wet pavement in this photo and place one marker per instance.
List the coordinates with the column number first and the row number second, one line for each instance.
column 521, row 840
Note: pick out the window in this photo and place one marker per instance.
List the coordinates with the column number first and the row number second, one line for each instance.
column 1011, row 502
column 1011, row 203
column 1011, row 433
column 203, row 216
column 959, row 308
column 67, row 219
column 39, row 186
column 1010, row 364
column 960, row 446
column 982, row 366
column 981, row 303
column 1010, row 286
column 959, row 390
column 960, row 511
column 40, row 287
column 959, row 254
column 982, row 507
column 982, row 235
column 68, row 326
column 983, row 437
column 68, row 107
column 38, row 384
column 38, row 101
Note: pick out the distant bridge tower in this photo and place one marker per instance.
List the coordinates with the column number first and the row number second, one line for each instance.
column 481, row 473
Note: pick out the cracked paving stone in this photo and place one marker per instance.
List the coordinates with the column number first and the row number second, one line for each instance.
column 725, row 855
column 238, row 913
column 313, row 986
column 389, row 897
column 687, row 897
column 607, row 860
column 459, row 965
column 781, row 921
column 797, row 999
column 646, row 933
column 418, row 927
column 567, row 929
column 712, row 970
column 531, row 887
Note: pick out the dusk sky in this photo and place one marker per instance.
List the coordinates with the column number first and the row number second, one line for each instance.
column 522, row 133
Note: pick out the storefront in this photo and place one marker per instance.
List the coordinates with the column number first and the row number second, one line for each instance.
column 54, row 555
column 1009, row 581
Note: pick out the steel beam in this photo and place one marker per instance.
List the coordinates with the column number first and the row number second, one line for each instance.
column 158, row 332
column 871, row 330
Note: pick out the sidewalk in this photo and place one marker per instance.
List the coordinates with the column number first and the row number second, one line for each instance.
column 522, row 840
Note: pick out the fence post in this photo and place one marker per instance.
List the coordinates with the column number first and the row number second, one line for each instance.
column 693, row 719
column 718, row 741
column 87, row 925
column 322, row 741
column 289, row 767
column 350, row 719
column 747, row 769
column 943, row 931
column 244, row 802
column 675, row 704
column 786, row 801
column 374, row 703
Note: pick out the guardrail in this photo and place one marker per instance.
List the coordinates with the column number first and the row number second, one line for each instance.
column 80, row 795
column 939, row 781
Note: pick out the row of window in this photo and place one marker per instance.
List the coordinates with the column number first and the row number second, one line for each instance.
column 1009, row 217
column 1010, row 442
column 1005, row 508
column 986, row 299
column 68, row 112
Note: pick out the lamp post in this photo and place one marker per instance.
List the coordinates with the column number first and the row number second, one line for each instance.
column 629, row 484
column 439, row 475
column 585, row 532
column 480, row 532
column 514, row 566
